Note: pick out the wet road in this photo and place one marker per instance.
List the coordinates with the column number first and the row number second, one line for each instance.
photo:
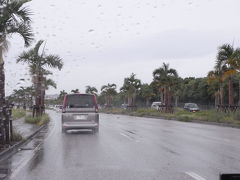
column 135, row 148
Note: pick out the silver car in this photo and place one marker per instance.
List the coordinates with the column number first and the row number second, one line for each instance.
column 191, row 107
column 80, row 111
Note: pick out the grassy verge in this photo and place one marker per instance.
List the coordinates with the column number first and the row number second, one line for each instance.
column 182, row 115
column 18, row 113
column 37, row 120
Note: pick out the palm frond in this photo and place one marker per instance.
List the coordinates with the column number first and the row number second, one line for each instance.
column 53, row 61
column 24, row 30
column 50, row 82
column 37, row 47
column 26, row 57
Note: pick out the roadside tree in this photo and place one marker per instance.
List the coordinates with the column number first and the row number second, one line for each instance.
column 91, row 90
column 14, row 19
column 131, row 87
column 167, row 79
column 108, row 91
column 229, row 57
column 37, row 63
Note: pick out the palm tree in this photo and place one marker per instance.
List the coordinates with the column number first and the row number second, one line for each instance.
column 75, row 91
column 37, row 64
column 47, row 83
column 22, row 96
column 131, row 86
column 230, row 58
column 14, row 19
column 61, row 95
column 91, row 90
column 109, row 91
column 217, row 77
column 146, row 92
column 167, row 79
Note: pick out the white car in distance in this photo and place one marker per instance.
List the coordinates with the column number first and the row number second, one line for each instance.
column 156, row 105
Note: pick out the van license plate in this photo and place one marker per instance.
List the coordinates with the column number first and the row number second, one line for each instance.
column 80, row 117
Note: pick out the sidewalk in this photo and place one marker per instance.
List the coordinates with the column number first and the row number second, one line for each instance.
column 25, row 129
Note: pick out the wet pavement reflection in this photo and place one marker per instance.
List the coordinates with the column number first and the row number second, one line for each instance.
column 129, row 148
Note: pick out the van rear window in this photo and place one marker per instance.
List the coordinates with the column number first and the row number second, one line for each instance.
column 79, row 101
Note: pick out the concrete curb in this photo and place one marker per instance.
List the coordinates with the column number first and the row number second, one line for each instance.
column 191, row 121
column 14, row 149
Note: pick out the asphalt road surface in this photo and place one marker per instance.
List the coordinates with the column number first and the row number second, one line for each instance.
column 134, row 148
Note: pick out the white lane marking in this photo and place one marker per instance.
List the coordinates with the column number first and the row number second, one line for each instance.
column 129, row 137
column 126, row 136
column 195, row 176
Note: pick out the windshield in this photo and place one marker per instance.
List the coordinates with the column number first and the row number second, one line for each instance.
column 119, row 89
column 79, row 101
column 192, row 105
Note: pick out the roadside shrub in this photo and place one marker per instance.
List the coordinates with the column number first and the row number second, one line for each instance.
column 44, row 119
column 32, row 120
column 38, row 120
column 183, row 115
column 16, row 136
column 236, row 116
column 18, row 113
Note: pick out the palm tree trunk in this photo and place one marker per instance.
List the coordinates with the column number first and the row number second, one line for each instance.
column 110, row 102
column 2, row 79
column 169, row 100
column 217, row 98
column 162, row 95
column 239, row 93
column 134, row 99
column 129, row 100
column 221, row 95
column 38, row 96
column 166, row 98
column 147, row 101
column 176, row 101
column 230, row 92
column 42, row 101
column 2, row 85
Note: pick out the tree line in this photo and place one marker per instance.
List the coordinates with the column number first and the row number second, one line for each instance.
column 221, row 86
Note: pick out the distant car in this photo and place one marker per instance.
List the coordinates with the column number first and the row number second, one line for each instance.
column 80, row 111
column 192, row 107
column 58, row 108
column 156, row 105
column 124, row 106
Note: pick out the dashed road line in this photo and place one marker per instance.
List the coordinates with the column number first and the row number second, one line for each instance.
column 130, row 137
column 195, row 176
column 126, row 136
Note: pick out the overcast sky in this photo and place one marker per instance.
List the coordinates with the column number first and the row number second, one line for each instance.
column 105, row 41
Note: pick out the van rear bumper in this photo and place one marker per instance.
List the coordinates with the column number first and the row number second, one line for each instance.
column 79, row 125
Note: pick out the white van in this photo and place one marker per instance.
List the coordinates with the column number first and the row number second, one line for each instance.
column 155, row 105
